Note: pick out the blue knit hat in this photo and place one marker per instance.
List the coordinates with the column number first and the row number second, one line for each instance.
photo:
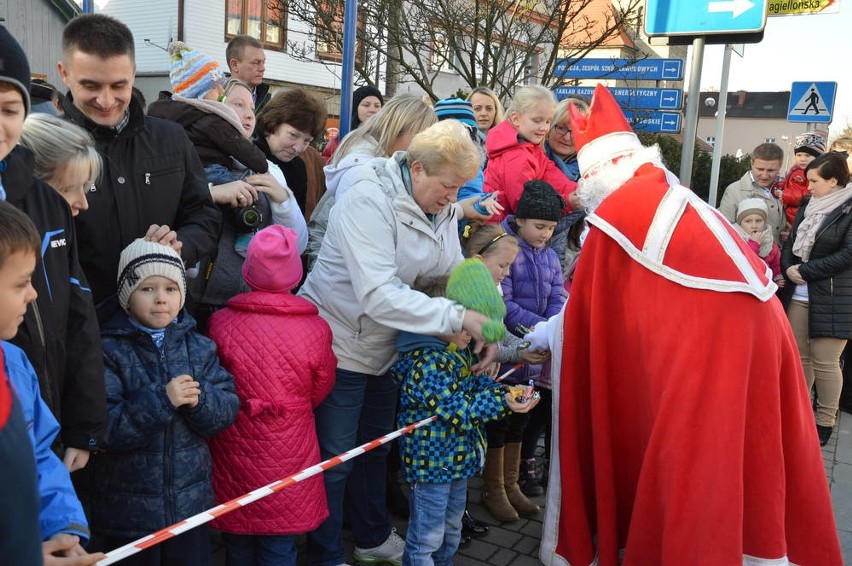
column 192, row 73
column 456, row 109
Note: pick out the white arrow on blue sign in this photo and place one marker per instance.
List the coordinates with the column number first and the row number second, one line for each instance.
column 811, row 102
column 704, row 17
column 630, row 97
column 626, row 69
column 665, row 122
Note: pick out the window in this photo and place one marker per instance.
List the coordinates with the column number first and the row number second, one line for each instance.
column 329, row 31
column 711, row 140
column 768, row 140
column 262, row 19
column 441, row 56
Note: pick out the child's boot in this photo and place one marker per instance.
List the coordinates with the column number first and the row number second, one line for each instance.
column 511, row 471
column 529, row 482
column 494, row 493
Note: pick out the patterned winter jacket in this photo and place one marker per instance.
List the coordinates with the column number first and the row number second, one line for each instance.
column 533, row 291
column 435, row 379
column 156, row 469
column 279, row 350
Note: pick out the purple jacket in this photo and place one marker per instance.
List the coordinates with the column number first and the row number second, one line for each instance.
column 533, row 291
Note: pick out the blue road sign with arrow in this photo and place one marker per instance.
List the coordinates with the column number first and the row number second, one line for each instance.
column 704, row 17
column 811, row 102
column 653, row 121
column 626, row 69
column 630, row 97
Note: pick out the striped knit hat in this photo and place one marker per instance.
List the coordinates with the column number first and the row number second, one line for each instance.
column 192, row 73
column 456, row 109
column 143, row 259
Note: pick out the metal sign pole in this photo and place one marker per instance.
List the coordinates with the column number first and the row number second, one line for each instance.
column 691, row 119
column 720, row 126
column 350, row 21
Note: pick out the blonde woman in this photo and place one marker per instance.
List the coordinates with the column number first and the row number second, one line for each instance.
column 389, row 131
column 394, row 223
column 486, row 108
column 65, row 157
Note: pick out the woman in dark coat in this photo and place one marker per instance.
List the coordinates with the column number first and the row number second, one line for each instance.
column 817, row 259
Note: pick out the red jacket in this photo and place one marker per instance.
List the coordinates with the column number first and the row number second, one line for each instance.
column 795, row 188
column 279, row 351
column 511, row 163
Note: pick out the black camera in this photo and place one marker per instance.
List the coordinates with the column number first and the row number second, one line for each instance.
column 248, row 218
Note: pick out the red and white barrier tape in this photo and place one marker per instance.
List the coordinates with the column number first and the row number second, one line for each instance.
column 206, row 516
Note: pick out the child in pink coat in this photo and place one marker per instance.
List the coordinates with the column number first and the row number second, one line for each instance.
column 515, row 152
column 751, row 225
column 279, row 351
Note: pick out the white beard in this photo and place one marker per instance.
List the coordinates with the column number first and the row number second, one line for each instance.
column 594, row 189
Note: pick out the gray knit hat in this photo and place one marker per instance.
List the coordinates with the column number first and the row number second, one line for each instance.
column 143, row 259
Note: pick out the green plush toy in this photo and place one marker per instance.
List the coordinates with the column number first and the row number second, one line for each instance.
column 471, row 285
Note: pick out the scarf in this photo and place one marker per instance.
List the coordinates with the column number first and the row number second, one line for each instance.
column 815, row 213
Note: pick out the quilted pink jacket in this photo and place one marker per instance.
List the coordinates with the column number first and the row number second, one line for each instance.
column 279, row 351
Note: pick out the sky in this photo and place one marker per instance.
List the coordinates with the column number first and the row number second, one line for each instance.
column 794, row 48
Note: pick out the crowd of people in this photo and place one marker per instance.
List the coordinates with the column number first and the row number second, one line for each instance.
column 196, row 302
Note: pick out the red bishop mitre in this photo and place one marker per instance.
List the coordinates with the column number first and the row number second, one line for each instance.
column 603, row 135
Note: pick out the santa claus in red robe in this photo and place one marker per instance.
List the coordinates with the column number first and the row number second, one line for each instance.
column 683, row 430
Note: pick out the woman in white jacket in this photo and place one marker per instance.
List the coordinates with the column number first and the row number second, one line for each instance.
column 393, row 224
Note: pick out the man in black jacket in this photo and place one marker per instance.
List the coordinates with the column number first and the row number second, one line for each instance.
column 152, row 184
column 60, row 331
column 247, row 62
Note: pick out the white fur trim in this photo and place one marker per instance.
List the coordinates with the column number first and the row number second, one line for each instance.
column 665, row 221
column 605, row 149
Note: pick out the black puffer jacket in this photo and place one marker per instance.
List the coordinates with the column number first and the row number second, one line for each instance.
column 151, row 175
column 828, row 273
column 60, row 331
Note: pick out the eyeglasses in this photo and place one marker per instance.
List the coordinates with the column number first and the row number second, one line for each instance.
column 561, row 130
column 86, row 187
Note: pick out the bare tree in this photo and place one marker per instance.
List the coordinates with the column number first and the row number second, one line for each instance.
column 501, row 44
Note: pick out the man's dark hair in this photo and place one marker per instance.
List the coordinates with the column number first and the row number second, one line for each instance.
column 17, row 232
column 768, row 152
column 97, row 34
column 238, row 44
column 298, row 108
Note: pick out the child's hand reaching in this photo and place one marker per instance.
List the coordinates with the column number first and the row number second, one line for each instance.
column 520, row 406
column 183, row 390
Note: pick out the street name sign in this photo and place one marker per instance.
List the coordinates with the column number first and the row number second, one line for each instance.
column 629, row 97
column 811, row 102
column 625, row 69
column 654, row 121
column 704, row 17
column 802, row 7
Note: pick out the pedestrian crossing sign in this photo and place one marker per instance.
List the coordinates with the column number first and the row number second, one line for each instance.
column 811, row 102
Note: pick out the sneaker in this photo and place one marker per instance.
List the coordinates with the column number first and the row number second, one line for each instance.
column 389, row 552
column 530, row 484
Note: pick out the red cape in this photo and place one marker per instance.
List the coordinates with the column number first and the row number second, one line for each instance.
column 684, row 434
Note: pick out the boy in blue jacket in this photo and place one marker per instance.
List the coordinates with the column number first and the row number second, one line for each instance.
column 61, row 521
column 166, row 394
column 435, row 378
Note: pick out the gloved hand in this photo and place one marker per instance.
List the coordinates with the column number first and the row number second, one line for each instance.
column 538, row 337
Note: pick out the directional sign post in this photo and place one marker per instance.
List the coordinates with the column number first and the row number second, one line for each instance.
column 654, row 121
column 678, row 17
column 629, row 97
column 811, row 102
column 625, row 69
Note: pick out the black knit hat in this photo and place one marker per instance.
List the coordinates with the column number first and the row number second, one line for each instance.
column 14, row 67
column 540, row 201
column 360, row 94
